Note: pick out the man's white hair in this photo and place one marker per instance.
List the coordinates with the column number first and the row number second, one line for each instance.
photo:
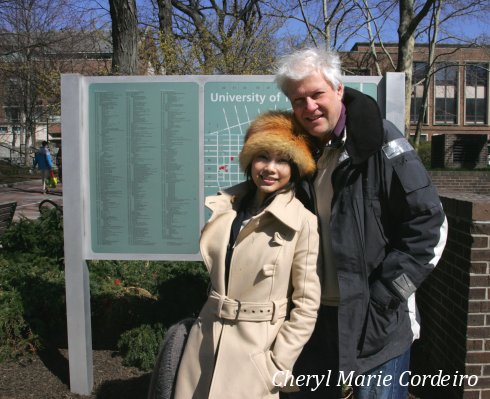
column 302, row 63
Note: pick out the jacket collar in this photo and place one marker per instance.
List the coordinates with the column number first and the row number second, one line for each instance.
column 283, row 207
column 364, row 125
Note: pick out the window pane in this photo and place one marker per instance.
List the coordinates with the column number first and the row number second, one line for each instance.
column 446, row 93
column 476, row 88
column 419, row 73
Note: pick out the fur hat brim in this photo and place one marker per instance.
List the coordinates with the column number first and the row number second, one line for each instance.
column 275, row 131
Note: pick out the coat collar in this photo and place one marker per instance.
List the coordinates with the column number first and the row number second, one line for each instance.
column 284, row 207
column 364, row 125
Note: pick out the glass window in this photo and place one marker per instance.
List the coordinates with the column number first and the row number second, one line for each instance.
column 12, row 114
column 446, row 94
column 418, row 79
column 476, row 89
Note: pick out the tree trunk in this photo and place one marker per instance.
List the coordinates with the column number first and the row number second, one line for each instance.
column 124, row 37
column 167, row 42
column 406, row 42
column 430, row 70
column 165, row 16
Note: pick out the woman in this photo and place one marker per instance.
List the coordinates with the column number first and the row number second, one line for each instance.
column 260, row 247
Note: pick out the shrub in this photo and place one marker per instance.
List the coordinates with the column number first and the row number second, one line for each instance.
column 126, row 295
column 185, row 286
column 424, row 152
column 39, row 286
column 139, row 346
column 16, row 338
column 42, row 237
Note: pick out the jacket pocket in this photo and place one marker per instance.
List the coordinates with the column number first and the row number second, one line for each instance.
column 259, row 361
column 379, row 325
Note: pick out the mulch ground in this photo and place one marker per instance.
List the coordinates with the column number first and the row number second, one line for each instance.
column 45, row 376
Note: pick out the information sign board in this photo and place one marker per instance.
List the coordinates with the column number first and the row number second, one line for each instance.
column 144, row 167
column 157, row 147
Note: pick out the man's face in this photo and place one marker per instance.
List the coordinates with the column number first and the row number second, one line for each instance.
column 316, row 104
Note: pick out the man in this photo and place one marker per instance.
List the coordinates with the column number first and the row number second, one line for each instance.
column 382, row 230
column 43, row 160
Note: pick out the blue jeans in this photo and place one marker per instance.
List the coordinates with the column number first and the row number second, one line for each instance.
column 394, row 390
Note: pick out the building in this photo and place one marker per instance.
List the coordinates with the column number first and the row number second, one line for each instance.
column 458, row 91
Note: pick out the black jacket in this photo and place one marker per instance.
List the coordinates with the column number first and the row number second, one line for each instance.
column 388, row 231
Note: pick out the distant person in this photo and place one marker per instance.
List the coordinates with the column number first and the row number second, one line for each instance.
column 43, row 160
column 260, row 247
column 59, row 164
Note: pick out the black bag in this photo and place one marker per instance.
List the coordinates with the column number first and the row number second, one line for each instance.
column 163, row 378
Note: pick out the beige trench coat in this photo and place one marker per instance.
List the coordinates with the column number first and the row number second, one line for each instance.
column 274, row 266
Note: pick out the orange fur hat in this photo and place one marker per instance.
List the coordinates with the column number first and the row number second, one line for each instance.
column 276, row 131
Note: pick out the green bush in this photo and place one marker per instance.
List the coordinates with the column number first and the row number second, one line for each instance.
column 16, row 338
column 131, row 293
column 185, row 286
column 40, row 237
column 139, row 346
column 125, row 295
column 424, row 152
column 39, row 285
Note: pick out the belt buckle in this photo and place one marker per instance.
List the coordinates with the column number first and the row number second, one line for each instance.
column 238, row 309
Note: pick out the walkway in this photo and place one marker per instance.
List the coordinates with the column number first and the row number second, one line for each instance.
column 28, row 195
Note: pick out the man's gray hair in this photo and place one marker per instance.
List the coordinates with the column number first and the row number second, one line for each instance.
column 302, row 63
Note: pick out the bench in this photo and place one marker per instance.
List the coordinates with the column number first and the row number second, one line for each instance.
column 7, row 210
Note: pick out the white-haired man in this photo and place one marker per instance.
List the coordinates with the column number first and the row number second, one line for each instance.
column 382, row 230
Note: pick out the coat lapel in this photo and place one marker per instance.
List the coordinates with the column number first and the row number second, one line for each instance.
column 286, row 209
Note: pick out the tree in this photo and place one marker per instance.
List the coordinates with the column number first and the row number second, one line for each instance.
column 409, row 21
column 33, row 32
column 215, row 37
column 167, row 40
column 432, row 35
column 124, row 37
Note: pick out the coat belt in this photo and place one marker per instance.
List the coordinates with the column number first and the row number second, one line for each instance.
column 233, row 309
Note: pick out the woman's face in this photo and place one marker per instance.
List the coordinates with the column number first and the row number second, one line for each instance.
column 270, row 172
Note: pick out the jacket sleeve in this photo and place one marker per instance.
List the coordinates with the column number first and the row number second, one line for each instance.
column 417, row 227
column 297, row 329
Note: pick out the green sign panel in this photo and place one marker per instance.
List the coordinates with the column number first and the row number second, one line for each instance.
column 152, row 159
column 144, row 167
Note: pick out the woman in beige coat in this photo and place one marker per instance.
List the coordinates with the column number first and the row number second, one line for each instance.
column 260, row 247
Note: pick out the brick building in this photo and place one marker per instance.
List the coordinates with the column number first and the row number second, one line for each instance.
column 459, row 89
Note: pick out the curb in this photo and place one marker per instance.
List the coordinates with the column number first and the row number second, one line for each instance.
column 17, row 183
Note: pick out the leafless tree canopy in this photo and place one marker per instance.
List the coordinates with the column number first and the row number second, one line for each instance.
column 208, row 37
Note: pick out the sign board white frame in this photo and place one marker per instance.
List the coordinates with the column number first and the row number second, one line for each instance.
column 76, row 196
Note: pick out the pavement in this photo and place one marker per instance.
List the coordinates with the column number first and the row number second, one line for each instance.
column 28, row 195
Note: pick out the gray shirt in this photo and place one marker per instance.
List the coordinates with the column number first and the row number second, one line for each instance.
column 324, row 194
